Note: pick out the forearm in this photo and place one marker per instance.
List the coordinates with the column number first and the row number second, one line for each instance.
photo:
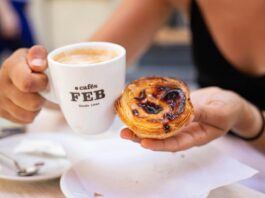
column 249, row 122
column 134, row 24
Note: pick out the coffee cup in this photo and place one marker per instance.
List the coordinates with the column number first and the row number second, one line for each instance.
column 84, row 80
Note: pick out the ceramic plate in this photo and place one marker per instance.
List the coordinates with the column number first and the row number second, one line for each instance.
column 53, row 168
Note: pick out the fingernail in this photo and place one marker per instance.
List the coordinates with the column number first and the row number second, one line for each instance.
column 38, row 62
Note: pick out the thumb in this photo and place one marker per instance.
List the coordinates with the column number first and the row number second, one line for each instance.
column 214, row 114
column 37, row 58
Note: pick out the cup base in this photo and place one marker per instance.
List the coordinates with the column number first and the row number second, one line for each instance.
column 96, row 135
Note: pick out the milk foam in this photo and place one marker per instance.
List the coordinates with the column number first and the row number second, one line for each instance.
column 85, row 56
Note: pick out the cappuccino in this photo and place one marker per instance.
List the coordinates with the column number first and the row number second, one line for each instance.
column 84, row 80
column 85, row 56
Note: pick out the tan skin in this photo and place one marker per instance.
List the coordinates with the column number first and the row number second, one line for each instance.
column 133, row 25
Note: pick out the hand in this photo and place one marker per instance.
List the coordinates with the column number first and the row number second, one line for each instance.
column 21, row 79
column 216, row 112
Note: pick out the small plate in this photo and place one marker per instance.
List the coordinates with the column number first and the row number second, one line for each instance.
column 53, row 168
column 72, row 187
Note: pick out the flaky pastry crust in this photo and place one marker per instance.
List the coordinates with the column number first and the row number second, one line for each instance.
column 155, row 107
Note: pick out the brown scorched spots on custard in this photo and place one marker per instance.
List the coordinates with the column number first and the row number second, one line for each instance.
column 141, row 96
column 147, row 106
column 135, row 112
column 150, row 107
column 170, row 116
column 176, row 100
column 166, row 128
column 172, row 96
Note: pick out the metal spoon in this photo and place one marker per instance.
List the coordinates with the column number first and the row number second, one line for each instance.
column 24, row 171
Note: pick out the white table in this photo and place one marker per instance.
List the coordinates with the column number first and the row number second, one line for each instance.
column 244, row 152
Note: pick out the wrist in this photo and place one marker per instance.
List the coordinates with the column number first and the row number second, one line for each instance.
column 249, row 122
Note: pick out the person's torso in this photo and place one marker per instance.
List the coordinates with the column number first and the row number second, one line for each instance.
column 237, row 29
column 229, row 45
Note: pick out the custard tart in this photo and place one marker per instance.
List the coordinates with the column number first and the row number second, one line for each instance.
column 155, row 107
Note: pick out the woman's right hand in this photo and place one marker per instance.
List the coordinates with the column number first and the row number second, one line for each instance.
column 21, row 79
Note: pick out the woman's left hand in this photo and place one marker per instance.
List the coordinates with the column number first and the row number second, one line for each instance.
column 216, row 112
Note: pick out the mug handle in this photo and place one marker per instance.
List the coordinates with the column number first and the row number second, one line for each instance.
column 49, row 94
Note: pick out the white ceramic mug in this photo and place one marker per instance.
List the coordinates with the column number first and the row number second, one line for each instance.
column 86, row 92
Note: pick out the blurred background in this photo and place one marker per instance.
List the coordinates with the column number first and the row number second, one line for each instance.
column 54, row 23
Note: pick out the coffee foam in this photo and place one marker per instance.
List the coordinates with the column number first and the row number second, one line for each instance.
column 85, row 56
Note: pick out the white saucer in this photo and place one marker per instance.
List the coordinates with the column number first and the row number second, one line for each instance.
column 72, row 187
column 53, row 168
column 116, row 169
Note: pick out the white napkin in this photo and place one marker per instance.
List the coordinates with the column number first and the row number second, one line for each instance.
column 40, row 147
column 118, row 168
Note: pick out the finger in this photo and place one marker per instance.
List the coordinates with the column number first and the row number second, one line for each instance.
column 37, row 58
column 4, row 114
column 202, row 133
column 195, row 135
column 22, row 76
column 27, row 101
column 129, row 135
column 215, row 107
column 173, row 144
column 214, row 115
column 17, row 112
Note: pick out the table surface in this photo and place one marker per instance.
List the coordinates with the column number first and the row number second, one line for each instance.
column 51, row 189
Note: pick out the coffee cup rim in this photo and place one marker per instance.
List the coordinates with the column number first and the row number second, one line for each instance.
column 121, row 52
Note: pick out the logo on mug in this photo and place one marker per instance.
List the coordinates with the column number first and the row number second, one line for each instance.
column 88, row 93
